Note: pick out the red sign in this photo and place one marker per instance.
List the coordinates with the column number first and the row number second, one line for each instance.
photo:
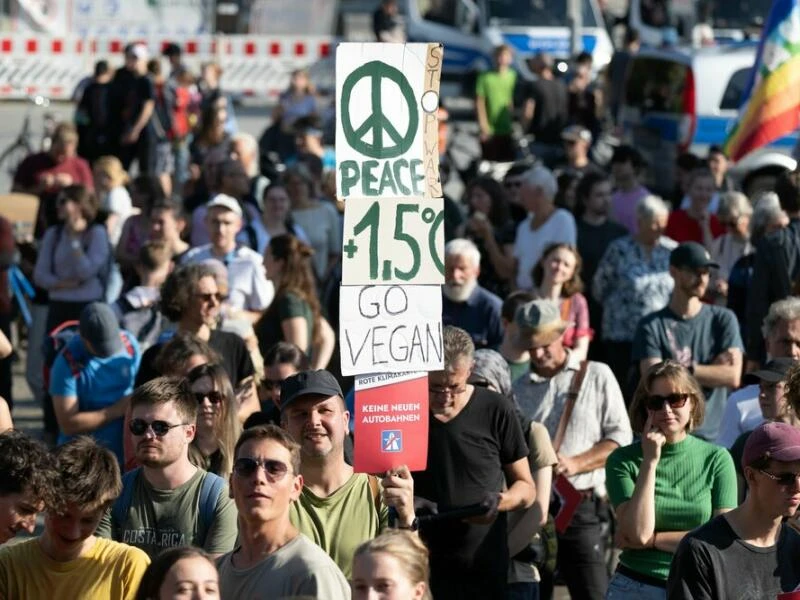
column 391, row 422
column 569, row 498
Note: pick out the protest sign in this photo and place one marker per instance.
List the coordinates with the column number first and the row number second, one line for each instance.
column 387, row 98
column 393, row 240
column 391, row 422
column 390, row 329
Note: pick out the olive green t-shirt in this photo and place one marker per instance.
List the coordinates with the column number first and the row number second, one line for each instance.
column 341, row 522
column 160, row 519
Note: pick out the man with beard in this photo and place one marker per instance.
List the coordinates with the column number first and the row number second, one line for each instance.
column 703, row 338
column 465, row 303
column 168, row 501
column 749, row 552
column 338, row 509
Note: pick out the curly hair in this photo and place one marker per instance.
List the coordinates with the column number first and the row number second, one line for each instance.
column 791, row 389
column 680, row 377
column 571, row 287
column 177, row 290
column 26, row 467
column 500, row 213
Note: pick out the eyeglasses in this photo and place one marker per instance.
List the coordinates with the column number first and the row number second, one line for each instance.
column 447, row 391
column 220, row 298
column 160, row 428
column 676, row 400
column 274, row 469
column 214, row 397
column 784, row 479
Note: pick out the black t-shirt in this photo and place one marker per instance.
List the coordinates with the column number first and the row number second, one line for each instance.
column 465, row 461
column 713, row 562
column 550, row 115
column 129, row 92
column 235, row 358
column 592, row 243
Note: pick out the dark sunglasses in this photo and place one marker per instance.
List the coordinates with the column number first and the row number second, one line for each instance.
column 656, row 402
column 214, row 397
column 271, row 384
column 160, row 428
column 209, row 297
column 784, row 479
column 246, row 466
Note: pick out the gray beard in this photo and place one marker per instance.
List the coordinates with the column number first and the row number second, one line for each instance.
column 459, row 293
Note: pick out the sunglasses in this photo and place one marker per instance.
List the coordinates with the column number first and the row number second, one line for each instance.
column 214, row 397
column 160, row 428
column 220, row 298
column 656, row 402
column 246, row 467
column 784, row 479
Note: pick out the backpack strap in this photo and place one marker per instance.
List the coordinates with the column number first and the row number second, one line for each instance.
column 75, row 367
column 127, row 343
column 119, row 511
column 210, row 489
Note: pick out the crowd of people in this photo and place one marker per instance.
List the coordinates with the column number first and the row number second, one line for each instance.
column 633, row 352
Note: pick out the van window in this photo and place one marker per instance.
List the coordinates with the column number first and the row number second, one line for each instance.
column 539, row 13
column 655, row 85
column 732, row 97
column 439, row 11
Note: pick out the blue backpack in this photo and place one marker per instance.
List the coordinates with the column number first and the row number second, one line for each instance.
column 210, row 489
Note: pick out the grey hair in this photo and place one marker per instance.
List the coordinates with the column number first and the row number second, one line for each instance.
column 458, row 347
column 650, row 207
column 733, row 205
column 251, row 144
column 785, row 310
column 463, row 247
column 767, row 211
column 543, row 178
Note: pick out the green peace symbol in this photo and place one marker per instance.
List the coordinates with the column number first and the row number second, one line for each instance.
column 378, row 122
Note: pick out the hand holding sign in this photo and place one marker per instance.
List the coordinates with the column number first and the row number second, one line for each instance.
column 398, row 493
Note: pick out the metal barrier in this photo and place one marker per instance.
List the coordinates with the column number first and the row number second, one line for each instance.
column 252, row 65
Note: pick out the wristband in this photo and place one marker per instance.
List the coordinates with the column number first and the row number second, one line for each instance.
column 413, row 527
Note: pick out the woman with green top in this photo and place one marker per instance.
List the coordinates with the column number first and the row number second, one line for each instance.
column 217, row 421
column 666, row 483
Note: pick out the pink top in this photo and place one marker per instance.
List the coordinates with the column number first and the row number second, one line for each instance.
column 575, row 310
column 623, row 207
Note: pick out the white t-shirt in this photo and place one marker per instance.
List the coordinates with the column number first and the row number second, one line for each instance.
column 742, row 414
column 530, row 244
column 118, row 202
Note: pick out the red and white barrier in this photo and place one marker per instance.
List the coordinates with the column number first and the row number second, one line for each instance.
column 252, row 65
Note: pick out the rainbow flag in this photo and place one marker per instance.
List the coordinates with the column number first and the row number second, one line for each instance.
column 771, row 101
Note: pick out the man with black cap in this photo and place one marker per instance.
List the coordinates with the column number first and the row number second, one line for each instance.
column 577, row 140
column 338, row 508
column 581, row 405
column 748, row 552
column 703, row 338
column 92, row 377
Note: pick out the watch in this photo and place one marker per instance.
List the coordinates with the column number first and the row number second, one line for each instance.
column 413, row 527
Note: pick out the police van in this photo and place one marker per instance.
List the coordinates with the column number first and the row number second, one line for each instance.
column 471, row 29
column 687, row 100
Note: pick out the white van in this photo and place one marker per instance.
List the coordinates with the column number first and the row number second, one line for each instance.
column 687, row 100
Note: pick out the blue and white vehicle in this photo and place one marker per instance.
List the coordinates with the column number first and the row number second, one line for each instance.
column 471, row 29
column 687, row 100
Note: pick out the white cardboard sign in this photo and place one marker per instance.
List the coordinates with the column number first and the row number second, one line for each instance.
column 390, row 329
column 393, row 241
column 387, row 97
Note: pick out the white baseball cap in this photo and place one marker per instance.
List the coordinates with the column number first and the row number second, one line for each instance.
column 225, row 201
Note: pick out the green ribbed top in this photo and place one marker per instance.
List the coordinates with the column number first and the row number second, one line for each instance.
column 693, row 479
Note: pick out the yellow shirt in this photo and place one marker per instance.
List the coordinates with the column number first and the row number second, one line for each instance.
column 109, row 571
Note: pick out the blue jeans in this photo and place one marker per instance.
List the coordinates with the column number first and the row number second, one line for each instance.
column 522, row 591
column 622, row 587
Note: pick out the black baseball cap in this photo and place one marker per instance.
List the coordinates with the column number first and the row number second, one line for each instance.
column 691, row 255
column 307, row 383
column 774, row 371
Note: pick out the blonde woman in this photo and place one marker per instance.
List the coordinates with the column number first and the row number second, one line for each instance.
column 392, row 566
column 217, row 422
column 110, row 179
column 666, row 483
